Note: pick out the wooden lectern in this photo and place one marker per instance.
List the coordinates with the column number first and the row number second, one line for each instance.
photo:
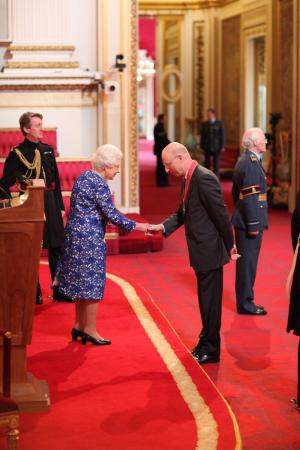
column 21, row 231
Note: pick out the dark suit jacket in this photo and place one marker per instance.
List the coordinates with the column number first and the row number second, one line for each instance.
column 207, row 226
column 212, row 136
column 294, row 308
column 160, row 138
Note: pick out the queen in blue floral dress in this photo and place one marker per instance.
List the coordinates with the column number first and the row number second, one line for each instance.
column 81, row 271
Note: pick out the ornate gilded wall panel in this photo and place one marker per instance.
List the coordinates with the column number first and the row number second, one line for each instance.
column 260, row 82
column 286, row 66
column 231, row 78
column 133, row 126
column 198, row 77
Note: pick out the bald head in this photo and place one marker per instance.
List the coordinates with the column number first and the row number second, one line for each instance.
column 174, row 149
column 254, row 139
column 176, row 159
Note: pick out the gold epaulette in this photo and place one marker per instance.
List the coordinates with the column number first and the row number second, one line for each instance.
column 253, row 158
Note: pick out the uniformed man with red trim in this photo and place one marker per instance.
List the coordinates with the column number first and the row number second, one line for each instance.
column 33, row 159
column 249, row 217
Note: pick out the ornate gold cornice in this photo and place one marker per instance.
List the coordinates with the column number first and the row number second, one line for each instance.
column 42, row 64
column 255, row 31
column 41, row 48
column 47, row 87
column 180, row 5
column 133, row 150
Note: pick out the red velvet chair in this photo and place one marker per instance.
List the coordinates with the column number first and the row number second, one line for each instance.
column 9, row 412
column 69, row 171
column 228, row 158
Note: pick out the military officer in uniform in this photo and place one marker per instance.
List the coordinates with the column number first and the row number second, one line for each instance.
column 249, row 217
column 33, row 159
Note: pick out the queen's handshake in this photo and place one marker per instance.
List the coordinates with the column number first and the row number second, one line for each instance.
column 152, row 229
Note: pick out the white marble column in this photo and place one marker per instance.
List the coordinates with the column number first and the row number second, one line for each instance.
column 149, row 106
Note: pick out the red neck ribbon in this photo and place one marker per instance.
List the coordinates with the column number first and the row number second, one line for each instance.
column 192, row 167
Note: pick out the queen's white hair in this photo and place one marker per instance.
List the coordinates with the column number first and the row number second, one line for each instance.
column 106, row 156
column 250, row 138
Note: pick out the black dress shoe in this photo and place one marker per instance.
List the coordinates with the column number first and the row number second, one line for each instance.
column 76, row 334
column 255, row 312
column 87, row 338
column 196, row 351
column 205, row 358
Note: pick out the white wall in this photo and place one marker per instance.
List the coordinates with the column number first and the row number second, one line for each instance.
column 76, row 127
column 83, row 29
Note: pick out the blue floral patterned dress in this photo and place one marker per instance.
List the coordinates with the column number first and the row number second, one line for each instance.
column 81, row 271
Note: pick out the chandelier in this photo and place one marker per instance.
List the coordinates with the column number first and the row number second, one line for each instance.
column 145, row 65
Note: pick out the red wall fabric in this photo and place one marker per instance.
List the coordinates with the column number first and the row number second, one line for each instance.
column 147, row 35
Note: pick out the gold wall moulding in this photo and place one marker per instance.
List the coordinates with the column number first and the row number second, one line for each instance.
column 133, row 126
column 48, row 87
column 42, row 65
column 198, row 70
column 145, row 5
column 255, row 31
column 166, row 93
column 41, row 48
column 48, row 98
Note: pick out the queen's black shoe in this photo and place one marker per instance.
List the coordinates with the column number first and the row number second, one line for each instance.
column 87, row 338
column 76, row 334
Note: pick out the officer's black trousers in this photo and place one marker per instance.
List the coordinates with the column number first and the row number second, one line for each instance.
column 248, row 247
column 216, row 161
column 210, row 289
column 53, row 258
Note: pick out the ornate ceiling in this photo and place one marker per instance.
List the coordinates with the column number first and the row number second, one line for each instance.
column 182, row 5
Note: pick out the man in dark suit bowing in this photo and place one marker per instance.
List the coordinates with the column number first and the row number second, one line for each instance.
column 209, row 239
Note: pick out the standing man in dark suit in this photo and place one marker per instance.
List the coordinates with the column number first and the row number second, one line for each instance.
column 32, row 159
column 294, row 307
column 209, row 239
column 212, row 135
column 250, row 217
column 160, row 142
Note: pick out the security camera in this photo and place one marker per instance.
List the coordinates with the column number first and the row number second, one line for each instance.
column 119, row 65
column 110, row 87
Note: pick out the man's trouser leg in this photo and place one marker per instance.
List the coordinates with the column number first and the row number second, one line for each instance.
column 248, row 247
column 210, row 289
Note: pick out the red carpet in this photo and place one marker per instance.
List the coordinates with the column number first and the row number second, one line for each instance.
column 94, row 394
column 143, row 392
column 257, row 374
